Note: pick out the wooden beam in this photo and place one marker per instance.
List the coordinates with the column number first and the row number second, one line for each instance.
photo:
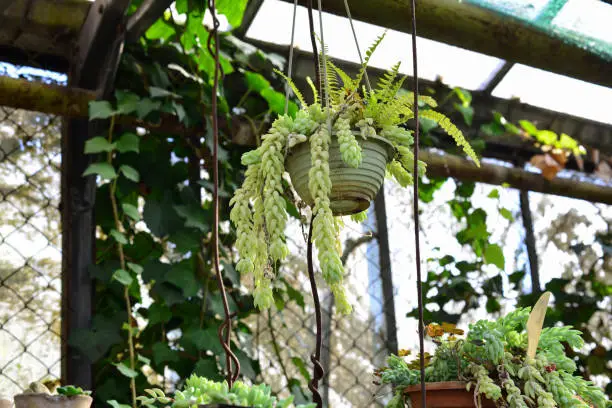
column 476, row 28
column 446, row 165
column 591, row 133
column 144, row 17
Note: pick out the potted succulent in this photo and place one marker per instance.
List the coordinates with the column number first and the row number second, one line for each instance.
column 336, row 156
column 492, row 367
column 39, row 396
column 199, row 391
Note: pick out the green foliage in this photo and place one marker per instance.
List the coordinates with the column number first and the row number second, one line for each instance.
column 71, row 390
column 493, row 359
column 201, row 391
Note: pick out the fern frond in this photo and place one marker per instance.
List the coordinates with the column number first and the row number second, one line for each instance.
column 347, row 81
column 366, row 60
column 452, row 131
column 315, row 93
column 426, row 99
column 294, row 88
column 385, row 84
column 330, row 80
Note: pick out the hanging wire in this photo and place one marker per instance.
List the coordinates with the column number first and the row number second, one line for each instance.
column 290, row 63
column 348, row 14
column 227, row 324
column 415, row 201
column 313, row 41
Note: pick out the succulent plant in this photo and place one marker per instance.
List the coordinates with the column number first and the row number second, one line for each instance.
column 493, row 360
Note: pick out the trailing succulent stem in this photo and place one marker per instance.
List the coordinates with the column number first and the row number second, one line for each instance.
column 354, row 114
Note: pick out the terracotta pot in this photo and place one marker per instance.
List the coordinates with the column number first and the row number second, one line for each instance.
column 450, row 394
column 35, row 400
column 5, row 403
column 352, row 189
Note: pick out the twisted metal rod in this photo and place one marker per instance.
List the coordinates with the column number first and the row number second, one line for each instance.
column 415, row 200
column 226, row 325
column 315, row 358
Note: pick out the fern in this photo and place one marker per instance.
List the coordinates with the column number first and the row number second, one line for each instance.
column 386, row 87
column 332, row 85
column 347, row 81
column 315, row 93
column 294, row 88
column 368, row 55
column 452, row 131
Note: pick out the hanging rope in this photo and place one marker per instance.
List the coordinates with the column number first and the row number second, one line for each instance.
column 415, row 200
column 224, row 338
column 348, row 14
column 290, row 63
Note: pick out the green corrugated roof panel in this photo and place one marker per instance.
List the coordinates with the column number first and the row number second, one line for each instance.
column 583, row 23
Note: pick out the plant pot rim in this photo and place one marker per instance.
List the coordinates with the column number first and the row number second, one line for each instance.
column 434, row 386
column 52, row 397
column 383, row 140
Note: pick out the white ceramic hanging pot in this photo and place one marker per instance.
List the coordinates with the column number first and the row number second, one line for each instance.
column 352, row 188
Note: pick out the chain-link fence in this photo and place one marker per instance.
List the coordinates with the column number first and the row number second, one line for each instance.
column 30, row 242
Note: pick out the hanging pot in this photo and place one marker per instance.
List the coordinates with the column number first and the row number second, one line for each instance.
column 42, row 400
column 450, row 394
column 352, row 188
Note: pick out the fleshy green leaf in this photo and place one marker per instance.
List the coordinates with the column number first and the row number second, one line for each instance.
column 98, row 144
column 130, row 172
column 128, row 142
column 100, row 110
column 123, row 277
column 104, row 170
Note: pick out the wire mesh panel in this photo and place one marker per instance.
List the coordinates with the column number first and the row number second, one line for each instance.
column 30, row 243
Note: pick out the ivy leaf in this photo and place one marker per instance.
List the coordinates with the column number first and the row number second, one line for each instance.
column 233, row 10
column 275, row 99
column 301, row 366
column 467, row 112
column 123, row 277
column 182, row 275
column 100, row 110
column 207, row 367
column 162, row 353
column 494, row 255
column 193, row 215
column 119, row 237
column 126, row 371
column 98, row 144
column 156, row 92
column 494, row 193
column 506, row 214
column 127, row 102
column 160, row 30
column 159, row 313
column 130, row 172
column 104, row 170
column 128, row 142
column 256, row 82
column 131, row 211
column 147, row 106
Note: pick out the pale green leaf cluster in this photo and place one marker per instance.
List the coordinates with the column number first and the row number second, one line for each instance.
column 493, row 361
column 199, row 391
